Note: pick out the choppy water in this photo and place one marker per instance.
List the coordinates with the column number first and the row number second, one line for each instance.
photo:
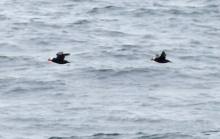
column 111, row 89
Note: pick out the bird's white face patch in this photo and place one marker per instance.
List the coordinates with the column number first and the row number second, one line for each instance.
column 51, row 58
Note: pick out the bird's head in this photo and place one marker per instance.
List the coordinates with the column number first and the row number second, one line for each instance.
column 152, row 58
column 50, row 59
column 155, row 57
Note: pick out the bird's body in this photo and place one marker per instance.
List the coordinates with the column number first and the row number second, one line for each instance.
column 60, row 58
column 161, row 58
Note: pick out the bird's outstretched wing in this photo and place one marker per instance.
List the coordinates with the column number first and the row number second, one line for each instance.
column 61, row 55
column 163, row 55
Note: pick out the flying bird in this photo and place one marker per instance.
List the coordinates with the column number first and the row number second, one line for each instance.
column 161, row 58
column 60, row 58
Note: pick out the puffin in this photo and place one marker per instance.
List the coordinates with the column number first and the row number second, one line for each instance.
column 161, row 58
column 60, row 58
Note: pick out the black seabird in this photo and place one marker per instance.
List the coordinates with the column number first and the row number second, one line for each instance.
column 60, row 58
column 161, row 58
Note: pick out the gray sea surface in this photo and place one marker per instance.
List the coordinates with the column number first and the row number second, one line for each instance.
column 111, row 89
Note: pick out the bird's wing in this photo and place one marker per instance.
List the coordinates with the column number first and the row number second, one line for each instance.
column 66, row 54
column 163, row 55
column 61, row 55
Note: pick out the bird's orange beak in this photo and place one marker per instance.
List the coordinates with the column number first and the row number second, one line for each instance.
column 49, row 59
column 151, row 59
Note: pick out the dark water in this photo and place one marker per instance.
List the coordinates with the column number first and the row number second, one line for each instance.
column 111, row 89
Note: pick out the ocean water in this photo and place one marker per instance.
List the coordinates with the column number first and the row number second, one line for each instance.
column 111, row 89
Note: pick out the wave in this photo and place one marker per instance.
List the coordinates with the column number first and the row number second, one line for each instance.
column 111, row 33
column 165, row 136
column 73, row 137
column 136, row 119
column 210, row 132
column 139, row 135
column 110, row 73
column 18, row 86
column 98, row 136
column 4, row 57
column 21, row 62
column 144, row 12
column 104, row 9
column 9, row 46
column 14, row 58
column 82, row 0
column 82, row 22
column 107, row 135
